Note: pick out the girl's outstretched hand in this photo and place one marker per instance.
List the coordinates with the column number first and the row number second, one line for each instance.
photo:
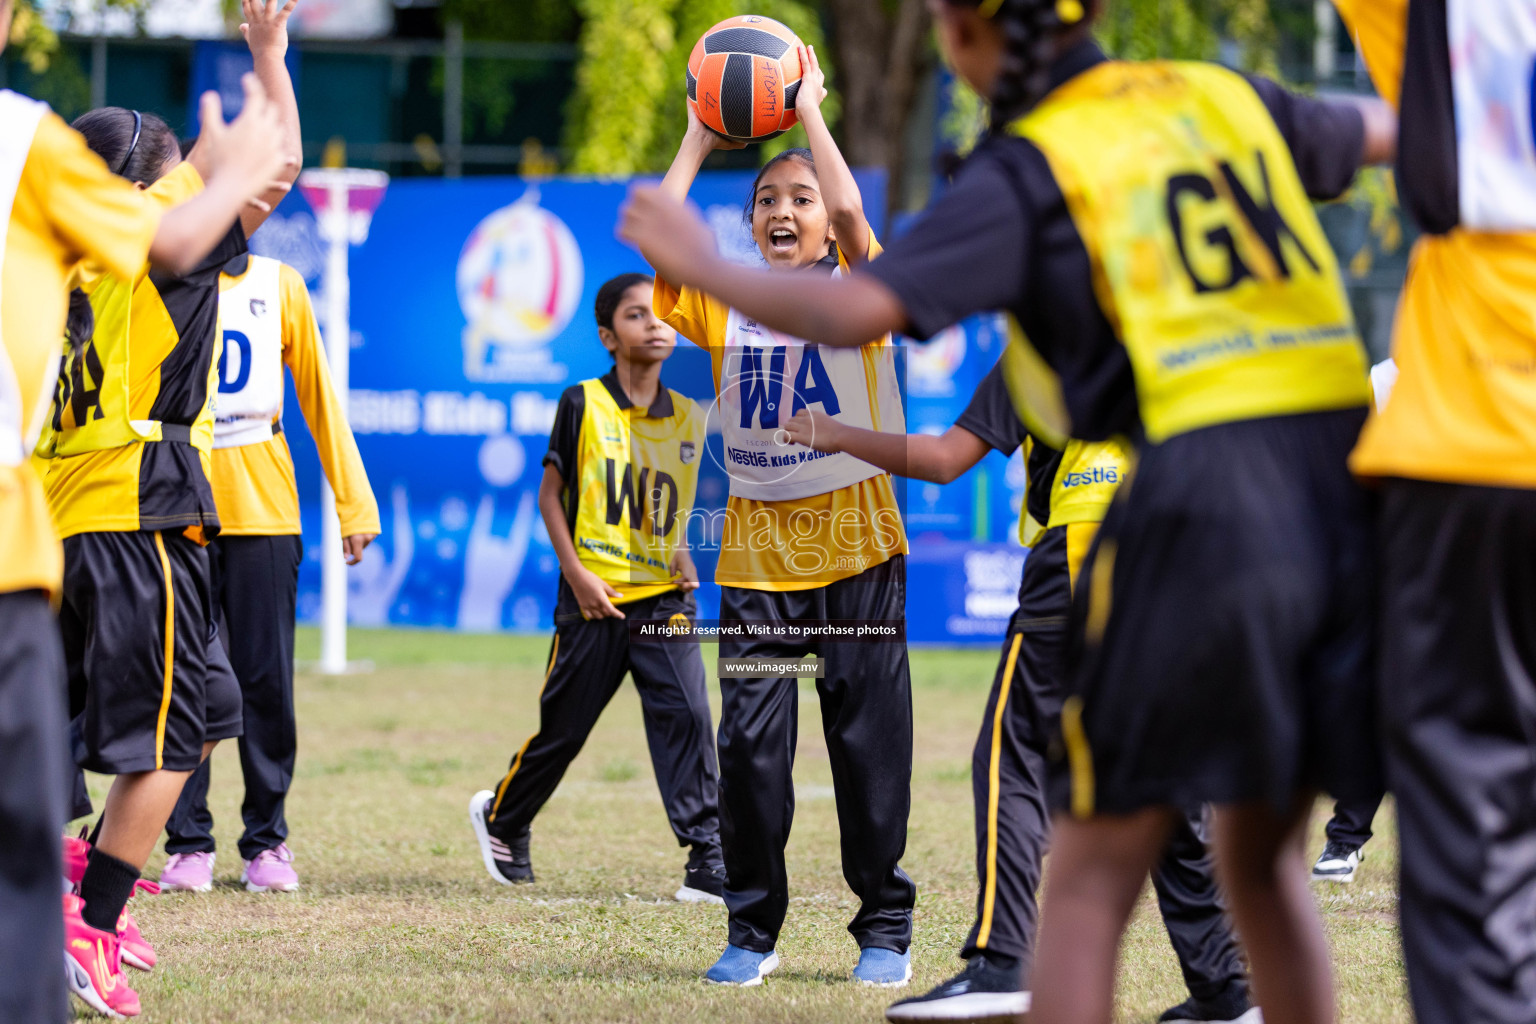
column 266, row 25
column 668, row 233
column 813, row 82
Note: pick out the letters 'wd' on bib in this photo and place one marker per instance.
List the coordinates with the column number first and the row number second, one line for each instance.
column 1207, row 257
column 250, row 366
column 637, row 479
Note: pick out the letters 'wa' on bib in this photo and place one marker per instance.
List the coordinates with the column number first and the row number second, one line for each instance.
column 767, row 377
column 1207, row 257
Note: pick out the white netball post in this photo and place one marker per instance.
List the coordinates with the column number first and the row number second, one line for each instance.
column 343, row 199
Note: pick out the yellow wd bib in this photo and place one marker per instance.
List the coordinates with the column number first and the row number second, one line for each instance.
column 1207, row 257
column 636, row 477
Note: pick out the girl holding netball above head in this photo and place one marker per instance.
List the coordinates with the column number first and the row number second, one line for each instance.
column 1149, row 229
column 807, row 539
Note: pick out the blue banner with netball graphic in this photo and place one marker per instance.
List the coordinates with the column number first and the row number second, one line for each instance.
column 472, row 312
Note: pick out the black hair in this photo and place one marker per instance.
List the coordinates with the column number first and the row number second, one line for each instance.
column 1031, row 32
column 611, row 292
column 797, row 153
column 80, row 323
column 134, row 145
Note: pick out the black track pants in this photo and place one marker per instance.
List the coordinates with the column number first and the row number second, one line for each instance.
column 33, row 763
column 255, row 583
column 1458, row 699
column 866, row 714
column 587, row 663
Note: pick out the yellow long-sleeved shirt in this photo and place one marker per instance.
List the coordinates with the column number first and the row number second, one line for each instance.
column 253, row 484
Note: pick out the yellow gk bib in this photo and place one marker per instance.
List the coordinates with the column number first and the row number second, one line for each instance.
column 1207, row 257
column 637, row 477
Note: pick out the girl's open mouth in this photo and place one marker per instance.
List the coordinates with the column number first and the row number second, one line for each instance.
column 781, row 239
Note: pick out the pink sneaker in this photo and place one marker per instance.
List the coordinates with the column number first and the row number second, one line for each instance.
column 76, row 852
column 271, row 871
column 92, row 962
column 188, row 872
column 136, row 950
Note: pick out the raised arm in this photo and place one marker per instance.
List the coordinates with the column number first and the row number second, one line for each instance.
column 938, row 460
column 698, row 142
column 237, row 161
column 266, row 33
column 839, row 192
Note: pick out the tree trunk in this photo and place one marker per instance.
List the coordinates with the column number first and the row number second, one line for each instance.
column 881, row 58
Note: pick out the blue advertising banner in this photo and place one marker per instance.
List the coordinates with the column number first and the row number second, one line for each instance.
column 472, row 312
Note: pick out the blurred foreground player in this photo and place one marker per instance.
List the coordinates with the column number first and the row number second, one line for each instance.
column 61, row 204
column 1067, row 495
column 1455, row 452
column 267, row 323
column 618, row 488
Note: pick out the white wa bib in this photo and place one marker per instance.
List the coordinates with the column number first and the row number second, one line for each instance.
column 767, row 377
column 250, row 375
column 19, row 117
column 1493, row 77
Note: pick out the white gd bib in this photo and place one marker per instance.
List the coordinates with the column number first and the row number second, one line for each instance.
column 1493, row 76
column 767, row 377
column 250, row 371
column 19, row 117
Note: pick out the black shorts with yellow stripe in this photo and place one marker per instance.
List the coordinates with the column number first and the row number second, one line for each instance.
column 1221, row 638
column 144, row 692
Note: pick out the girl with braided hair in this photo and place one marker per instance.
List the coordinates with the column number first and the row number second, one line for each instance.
column 1148, row 229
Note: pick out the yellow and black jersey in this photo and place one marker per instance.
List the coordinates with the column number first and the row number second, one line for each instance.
column 127, row 442
column 268, row 323
column 1174, row 274
column 1070, row 487
column 630, row 475
column 795, row 519
column 1463, row 409
column 61, row 205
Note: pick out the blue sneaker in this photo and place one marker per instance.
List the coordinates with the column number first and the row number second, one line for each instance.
column 742, row 967
column 883, row 968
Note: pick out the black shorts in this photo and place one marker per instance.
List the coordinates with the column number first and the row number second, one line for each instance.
column 136, row 628
column 1222, row 629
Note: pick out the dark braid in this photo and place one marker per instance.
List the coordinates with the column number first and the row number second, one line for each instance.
column 1031, row 28
column 81, row 322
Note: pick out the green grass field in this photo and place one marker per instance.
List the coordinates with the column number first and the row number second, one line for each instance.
column 398, row 922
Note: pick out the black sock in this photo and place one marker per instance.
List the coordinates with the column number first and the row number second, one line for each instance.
column 107, row 884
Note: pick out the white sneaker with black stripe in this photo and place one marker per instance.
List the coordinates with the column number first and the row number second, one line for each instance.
column 1338, row 863
column 507, row 863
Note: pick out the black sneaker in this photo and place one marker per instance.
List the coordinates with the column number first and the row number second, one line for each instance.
column 704, row 879
column 983, row 991
column 507, row 863
column 1231, row 1007
column 1338, row 863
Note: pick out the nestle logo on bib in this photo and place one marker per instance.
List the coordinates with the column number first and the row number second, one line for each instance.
column 1096, row 475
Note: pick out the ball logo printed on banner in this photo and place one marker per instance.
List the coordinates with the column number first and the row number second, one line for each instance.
column 519, row 283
